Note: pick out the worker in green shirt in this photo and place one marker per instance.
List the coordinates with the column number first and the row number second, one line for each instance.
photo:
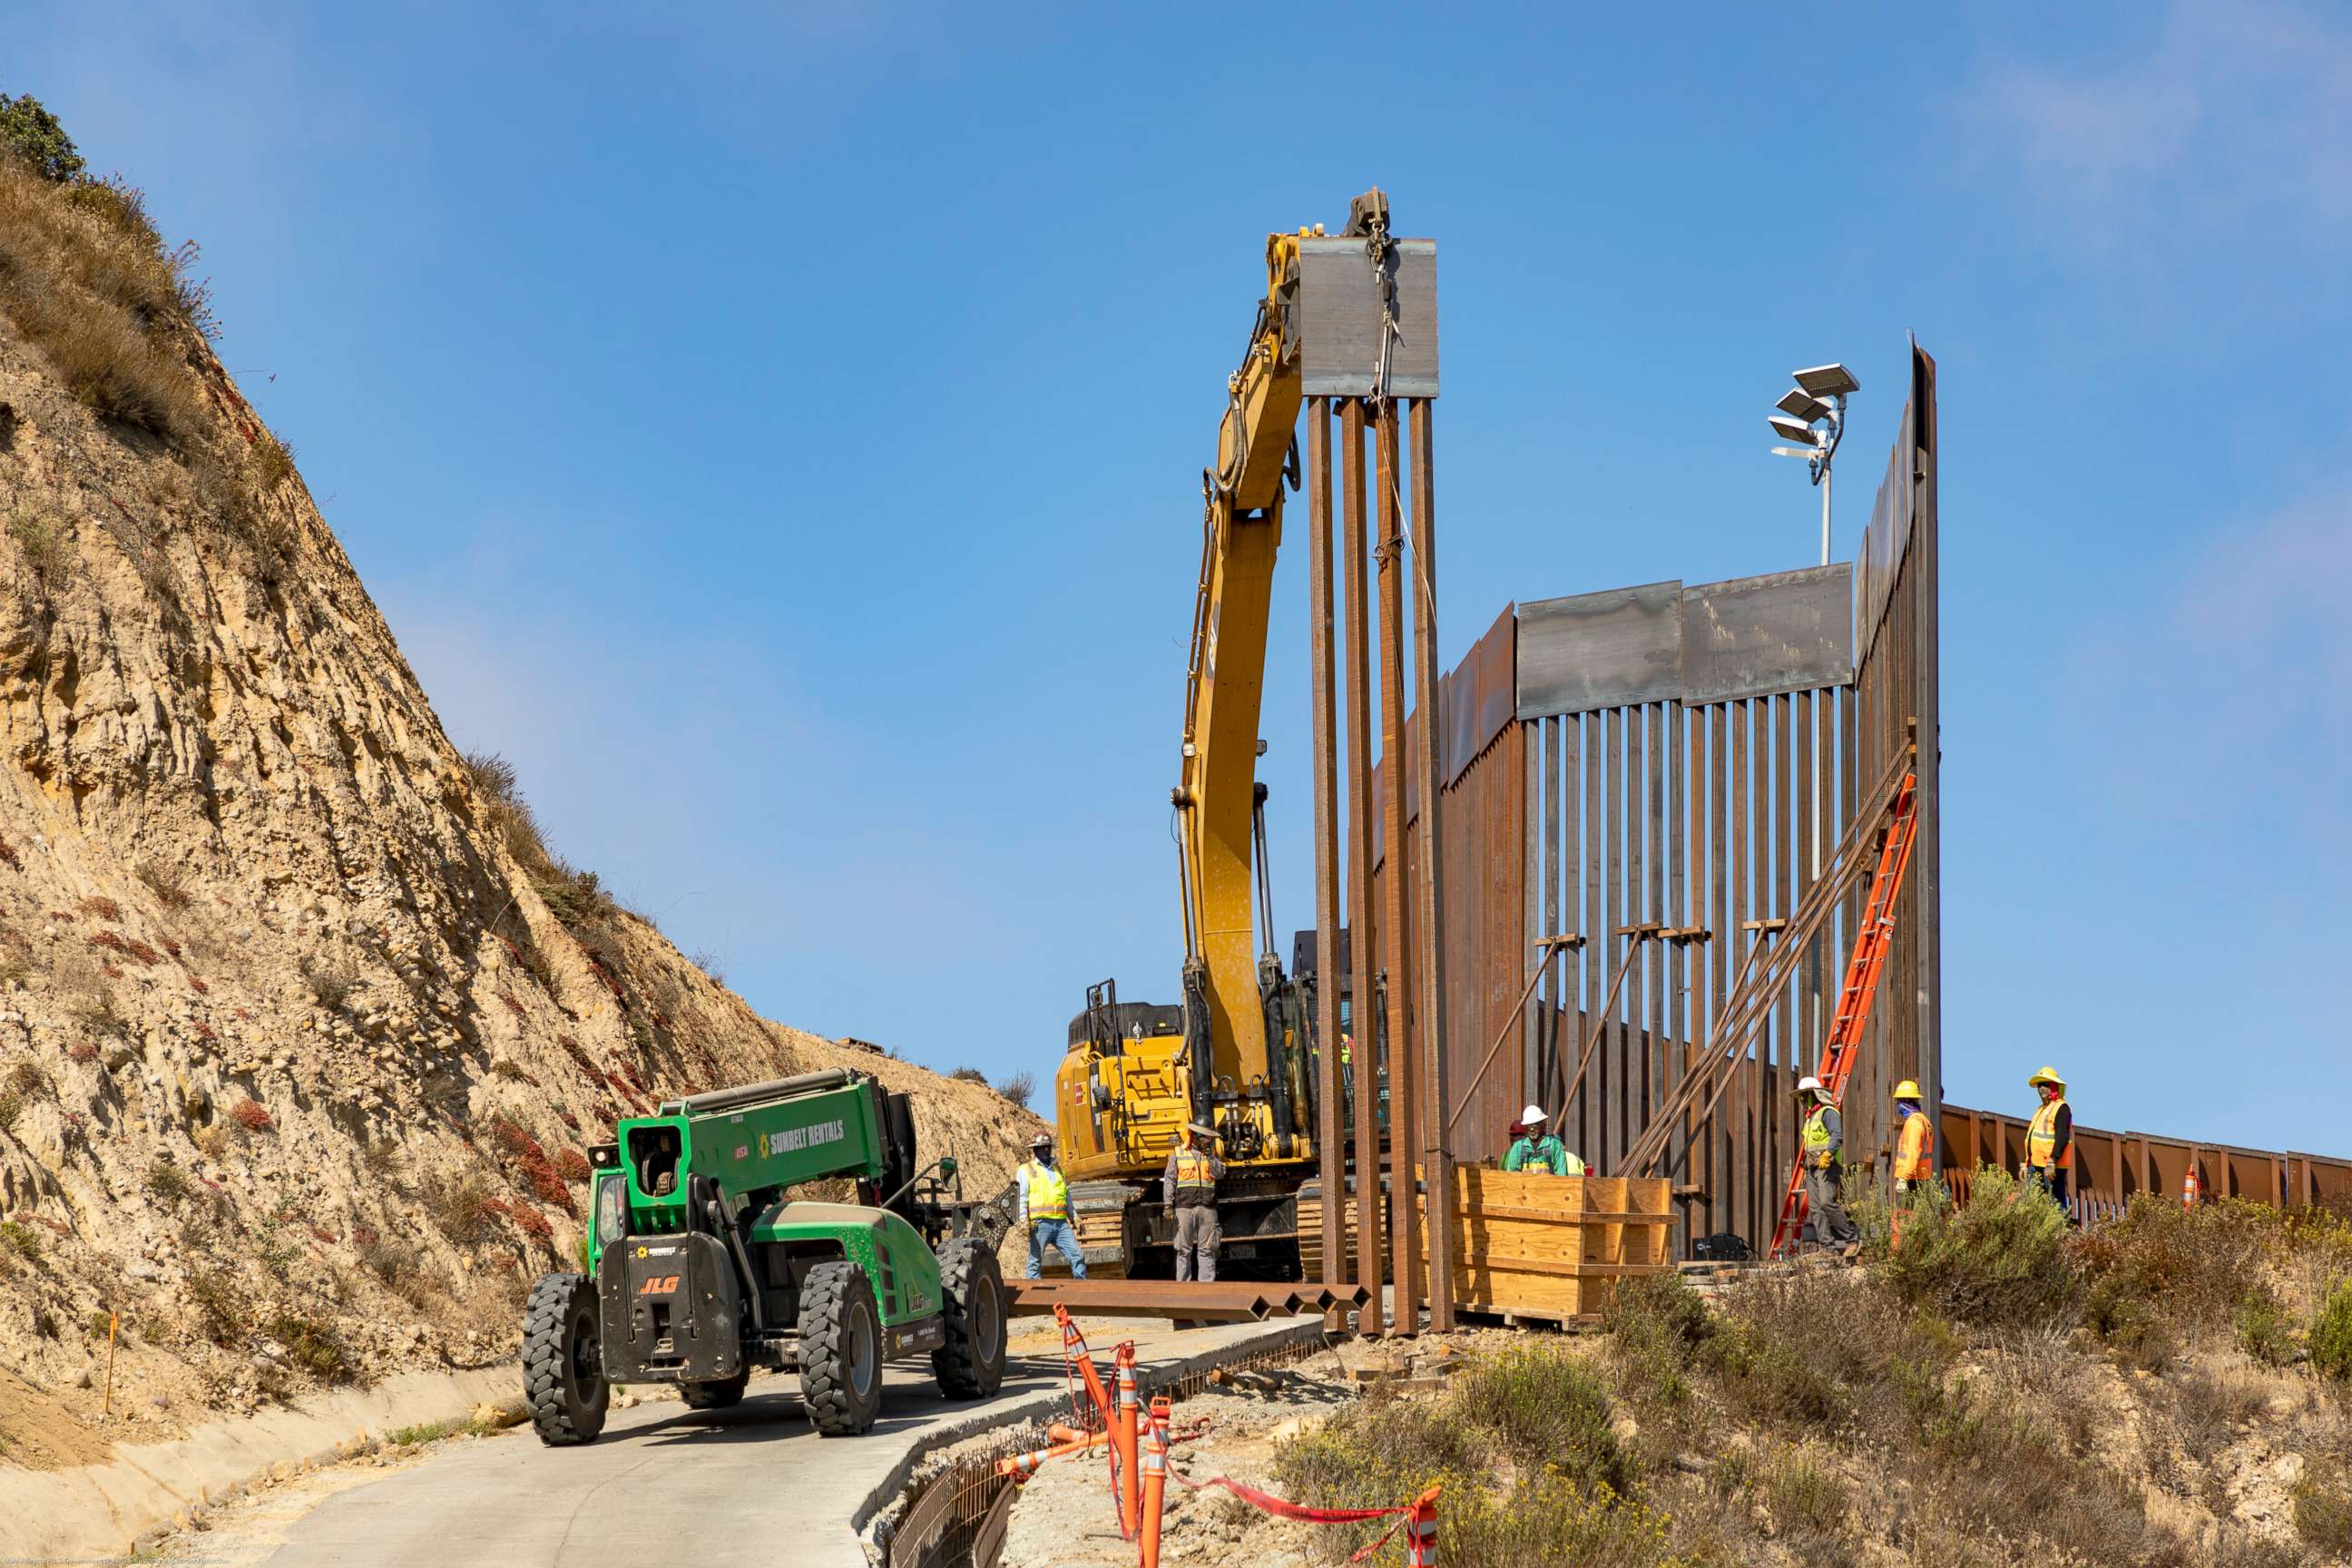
column 1538, row 1151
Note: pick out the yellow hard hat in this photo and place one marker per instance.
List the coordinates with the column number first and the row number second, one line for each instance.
column 2047, row 1075
column 1907, row 1089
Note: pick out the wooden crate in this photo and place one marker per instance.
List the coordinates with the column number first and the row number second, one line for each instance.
column 1535, row 1248
column 1553, row 1248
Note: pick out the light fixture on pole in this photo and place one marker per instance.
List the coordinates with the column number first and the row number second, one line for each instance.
column 1812, row 421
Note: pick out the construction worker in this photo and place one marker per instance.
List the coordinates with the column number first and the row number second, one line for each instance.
column 1189, row 1187
column 1915, row 1156
column 2050, row 1140
column 1538, row 1152
column 1046, row 1210
column 1823, row 1140
column 1915, row 1140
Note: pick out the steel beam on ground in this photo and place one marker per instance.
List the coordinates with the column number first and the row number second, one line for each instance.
column 1363, row 948
column 1330, row 1129
column 1218, row 1301
column 1396, row 945
column 1430, row 917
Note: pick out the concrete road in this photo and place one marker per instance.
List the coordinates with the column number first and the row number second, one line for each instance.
column 754, row 1485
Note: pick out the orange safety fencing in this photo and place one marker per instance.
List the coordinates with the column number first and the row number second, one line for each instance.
column 1139, row 1485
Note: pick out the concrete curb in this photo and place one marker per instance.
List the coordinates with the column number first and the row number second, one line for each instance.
column 98, row 1513
column 881, row 1501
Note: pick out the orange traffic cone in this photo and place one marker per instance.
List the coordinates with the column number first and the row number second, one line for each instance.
column 2189, row 1193
column 1124, row 1441
column 1155, row 1485
column 1420, row 1531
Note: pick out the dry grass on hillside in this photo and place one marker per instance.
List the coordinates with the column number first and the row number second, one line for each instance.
column 2165, row 1391
column 89, row 281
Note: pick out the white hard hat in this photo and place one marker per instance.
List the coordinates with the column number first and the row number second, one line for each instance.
column 1531, row 1115
column 1808, row 1082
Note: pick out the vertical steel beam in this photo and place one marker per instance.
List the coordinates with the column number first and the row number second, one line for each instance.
column 1396, row 932
column 1362, row 937
column 1331, row 1122
column 1429, row 917
column 1592, row 1108
column 1548, row 1084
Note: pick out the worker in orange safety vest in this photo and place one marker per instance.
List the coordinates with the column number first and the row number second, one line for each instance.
column 1189, row 1187
column 2050, row 1138
column 1915, row 1140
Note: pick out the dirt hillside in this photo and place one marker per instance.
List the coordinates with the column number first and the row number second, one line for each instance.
column 302, row 1026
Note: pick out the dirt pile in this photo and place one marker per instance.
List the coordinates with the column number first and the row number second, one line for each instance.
column 302, row 1028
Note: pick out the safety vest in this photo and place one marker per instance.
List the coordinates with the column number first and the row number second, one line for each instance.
column 1194, row 1171
column 1915, row 1151
column 1047, row 1192
column 2043, row 1136
column 1817, row 1133
column 1346, row 1050
column 1547, row 1155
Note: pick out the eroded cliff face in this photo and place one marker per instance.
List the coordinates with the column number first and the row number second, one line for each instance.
column 302, row 1029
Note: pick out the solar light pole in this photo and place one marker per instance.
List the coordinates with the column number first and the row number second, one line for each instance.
column 1812, row 421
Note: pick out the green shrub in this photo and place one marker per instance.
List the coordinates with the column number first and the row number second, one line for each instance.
column 19, row 1239
column 29, row 131
column 1806, row 1496
column 1521, row 1442
column 48, row 557
column 312, row 1344
column 2265, row 1328
column 166, row 1181
column 1655, row 1324
column 1999, row 1261
column 1543, row 1406
column 2330, row 1335
column 221, row 1307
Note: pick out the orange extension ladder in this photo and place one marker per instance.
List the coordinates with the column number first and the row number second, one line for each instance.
column 1861, row 989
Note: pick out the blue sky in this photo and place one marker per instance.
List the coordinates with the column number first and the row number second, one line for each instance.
column 779, row 432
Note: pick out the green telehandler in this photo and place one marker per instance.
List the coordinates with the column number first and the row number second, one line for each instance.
column 701, row 1265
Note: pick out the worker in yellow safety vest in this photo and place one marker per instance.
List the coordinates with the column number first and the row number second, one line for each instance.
column 2050, row 1138
column 1046, row 1210
column 1189, row 1187
column 1537, row 1152
column 1823, row 1141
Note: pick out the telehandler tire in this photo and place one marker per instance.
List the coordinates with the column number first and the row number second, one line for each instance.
column 971, row 1364
column 840, row 1350
column 562, row 1362
column 716, row 1394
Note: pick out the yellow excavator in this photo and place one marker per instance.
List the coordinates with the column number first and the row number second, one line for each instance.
column 1234, row 1053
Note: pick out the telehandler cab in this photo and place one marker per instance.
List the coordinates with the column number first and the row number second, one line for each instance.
column 701, row 1268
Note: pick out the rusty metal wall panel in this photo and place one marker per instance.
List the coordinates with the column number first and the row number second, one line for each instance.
column 1754, row 636
column 1600, row 650
column 1898, row 696
column 1485, row 827
column 1339, row 322
column 1480, row 695
column 1688, row 756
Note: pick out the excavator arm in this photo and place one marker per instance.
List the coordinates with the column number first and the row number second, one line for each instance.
column 1234, row 993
